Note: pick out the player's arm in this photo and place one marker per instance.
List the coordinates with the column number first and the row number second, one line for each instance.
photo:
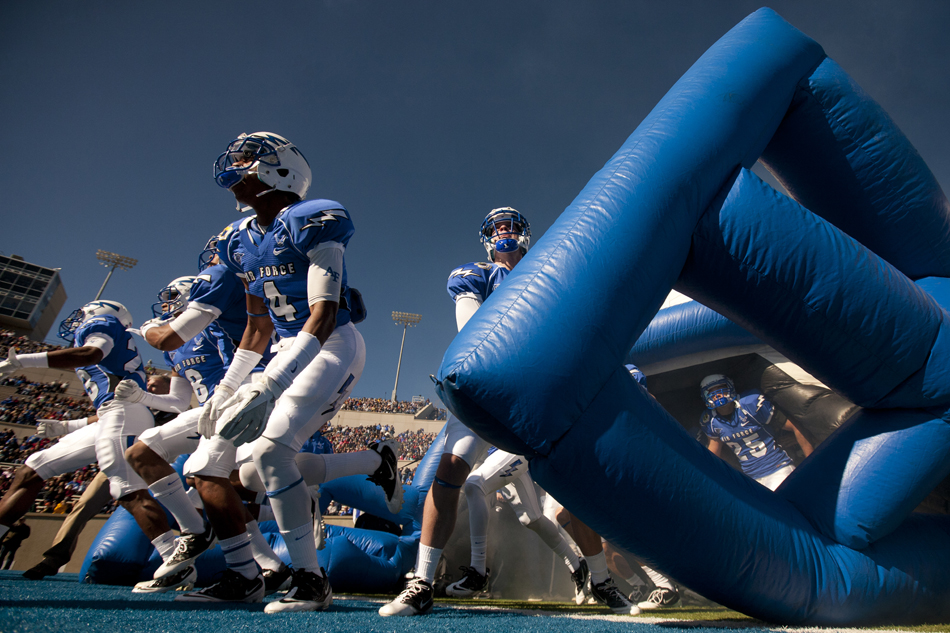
column 715, row 447
column 254, row 342
column 177, row 399
column 96, row 348
column 807, row 447
column 465, row 307
column 170, row 335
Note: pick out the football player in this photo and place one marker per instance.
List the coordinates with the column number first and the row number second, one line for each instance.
column 508, row 472
column 290, row 256
column 103, row 354
column 200, row 364
column 743, row 425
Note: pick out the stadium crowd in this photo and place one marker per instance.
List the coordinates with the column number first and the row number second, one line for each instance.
column 380, row 405
column 357, row 438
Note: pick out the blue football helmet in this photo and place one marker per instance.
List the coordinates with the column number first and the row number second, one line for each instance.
column 717, row 390
column 216, row 246
column 276, row 161
column 69, row 325
column 519, row 228
column 173, row 297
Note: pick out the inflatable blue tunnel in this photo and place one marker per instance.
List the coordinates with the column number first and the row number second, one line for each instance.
column 846, row 277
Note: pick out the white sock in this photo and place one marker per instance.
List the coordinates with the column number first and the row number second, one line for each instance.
column 302, row 548
column 261, row 551
column 165, row 544
column 346, row 464
column 635, row 580
column 195, row 498
column 661, row 581
column 426, row 562
column 598, row 568
column 170, row 493
column 551, row 535
column 479, row 553
column 238, row 555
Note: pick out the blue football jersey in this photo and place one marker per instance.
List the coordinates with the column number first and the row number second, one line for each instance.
column 746, row 433
column 317, row 444
column 275, row 264
column 220, row 290
column 203, row 360
column 122, row 361
column 476, row 279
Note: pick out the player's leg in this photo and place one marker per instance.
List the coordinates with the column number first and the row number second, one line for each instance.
column 497, row 468
column 317, row 390
column 602, row 586
column 523, row 496
column 462, row 449
column 211, row 466
column 93, row 499
column 150, row 457
column 70, row 453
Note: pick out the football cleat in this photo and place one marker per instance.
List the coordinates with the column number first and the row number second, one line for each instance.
column 188, row 548
column 607, row 594
column 581, row 579
column 387, row 475
column 277, row 579
column 639, row 594
column 415, row 599
column 308, row 592
column 183, row 580
column 471, row 583
column 660, row 597
column 233, row 587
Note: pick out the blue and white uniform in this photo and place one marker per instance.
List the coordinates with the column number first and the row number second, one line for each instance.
column 218, row 291
column 202, row 361
column 279, row 263
column 746, row 433
column 470, row 285
column 120, row 423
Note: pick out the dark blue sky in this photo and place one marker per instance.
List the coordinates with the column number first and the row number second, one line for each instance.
column 419, row 116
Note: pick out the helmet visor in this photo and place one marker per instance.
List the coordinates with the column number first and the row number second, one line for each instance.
column 242, row 154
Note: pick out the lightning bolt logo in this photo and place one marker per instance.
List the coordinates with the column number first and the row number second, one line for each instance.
column 332, row 215
column 463, row 272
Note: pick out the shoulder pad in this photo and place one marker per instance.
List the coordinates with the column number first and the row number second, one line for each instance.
column 312, row 222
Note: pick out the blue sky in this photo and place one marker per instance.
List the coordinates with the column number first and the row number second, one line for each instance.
column 420, row 117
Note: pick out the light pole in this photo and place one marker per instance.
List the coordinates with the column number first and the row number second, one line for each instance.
column 408, row 320
column 113, row 261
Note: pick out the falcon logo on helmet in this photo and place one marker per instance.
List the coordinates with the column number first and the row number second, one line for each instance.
column 276, row 161
column 173, row 297
column 510, row 223
column 717, row 390
column 69, row 325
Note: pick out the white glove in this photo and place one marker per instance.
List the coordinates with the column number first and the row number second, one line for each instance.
column 128, row 391
column 211, row 410
column 245, row 415
column 51, row 428
column 10, row 365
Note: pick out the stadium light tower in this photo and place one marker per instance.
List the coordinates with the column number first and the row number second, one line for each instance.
column 113, row 261
column 408, row 320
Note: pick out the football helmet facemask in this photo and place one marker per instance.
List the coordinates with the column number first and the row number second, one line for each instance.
column 276, row 161
column 520, row 232
column 69, row 325
column 717, row 390
column 215, row 247
column 173, row 297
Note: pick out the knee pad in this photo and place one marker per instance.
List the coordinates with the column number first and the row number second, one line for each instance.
column 275, row 463
column 472, row 488
column 250, row 478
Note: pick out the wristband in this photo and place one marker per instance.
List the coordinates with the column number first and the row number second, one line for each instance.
column 285, row 367
column 75, row 425
column 34, row 360
column 241, row 365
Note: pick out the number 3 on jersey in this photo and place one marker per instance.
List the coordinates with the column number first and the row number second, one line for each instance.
column 279, row 306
